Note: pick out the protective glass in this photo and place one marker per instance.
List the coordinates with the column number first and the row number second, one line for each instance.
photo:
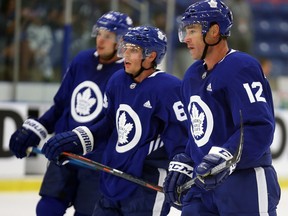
column 184, row 28
column 131, row 49
column 103, row 33
column 95, row 29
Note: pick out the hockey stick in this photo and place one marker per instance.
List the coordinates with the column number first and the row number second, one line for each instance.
column 93, row 165
column 219, row 168
column 64, row 162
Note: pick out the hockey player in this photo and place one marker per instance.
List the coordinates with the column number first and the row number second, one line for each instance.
column 141, row 103
column 79, row 101
column 221, row 84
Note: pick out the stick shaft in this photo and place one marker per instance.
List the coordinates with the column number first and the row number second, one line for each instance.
column 93, row 165
column 99, row 166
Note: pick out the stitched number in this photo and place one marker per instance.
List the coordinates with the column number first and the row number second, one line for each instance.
column 179, row 111
column 257, row 96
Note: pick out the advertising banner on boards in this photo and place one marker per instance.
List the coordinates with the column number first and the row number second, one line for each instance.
column 12, row 116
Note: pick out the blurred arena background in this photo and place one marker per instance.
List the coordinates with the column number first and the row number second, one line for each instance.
column 38, row 38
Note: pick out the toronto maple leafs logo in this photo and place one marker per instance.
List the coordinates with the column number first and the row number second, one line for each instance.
column 201, row 120
column 213, row 4
column 129, row 21
column 128, row 127
column 86, row 102
column 124, row 129
column 197, row 121
column 110, row 16
column 161, row 36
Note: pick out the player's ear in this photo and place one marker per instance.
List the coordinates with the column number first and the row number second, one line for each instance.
column 213, row 34
column 152, row 56
column 214, row 30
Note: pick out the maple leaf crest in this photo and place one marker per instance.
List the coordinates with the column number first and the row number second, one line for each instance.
column 123, row 129
column 197, row 121
column 213, row 4
column 84, row 102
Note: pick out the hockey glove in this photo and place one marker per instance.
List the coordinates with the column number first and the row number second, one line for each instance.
column 30, row 134
column 78, row 141
column 180, row 171
column 215, row 157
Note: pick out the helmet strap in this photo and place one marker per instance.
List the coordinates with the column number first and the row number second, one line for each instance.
column 140, row 71
column 207, row 45
column 204, row 51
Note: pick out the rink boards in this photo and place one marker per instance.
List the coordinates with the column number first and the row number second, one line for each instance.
column 18, row 175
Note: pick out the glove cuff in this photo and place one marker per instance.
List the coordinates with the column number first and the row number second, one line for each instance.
column 36, row 127
column 221, row 152
column 86, row 138
column 181, row 167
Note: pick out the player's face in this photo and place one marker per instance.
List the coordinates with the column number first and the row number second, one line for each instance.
column 194, row 40
column 105, row 44
column 132, row 58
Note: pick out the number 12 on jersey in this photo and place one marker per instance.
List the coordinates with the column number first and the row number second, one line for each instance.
column 257, row 96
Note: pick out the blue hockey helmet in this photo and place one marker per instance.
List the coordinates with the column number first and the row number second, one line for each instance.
column 113, row 21
column 150, row 39
column 207, row 13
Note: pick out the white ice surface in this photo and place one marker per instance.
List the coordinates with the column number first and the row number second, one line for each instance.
column 23, row 204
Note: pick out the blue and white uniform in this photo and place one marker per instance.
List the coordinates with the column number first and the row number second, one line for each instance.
column 79, row 101
column 147, row 127
column 213, row 100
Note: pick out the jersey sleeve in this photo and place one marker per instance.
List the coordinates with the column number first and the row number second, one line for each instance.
column 174, row 133
column 249, row 92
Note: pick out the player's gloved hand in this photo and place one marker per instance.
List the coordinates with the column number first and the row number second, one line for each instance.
column 216, row 156
column 78, row 141
column 180, row 171
column 30, row 134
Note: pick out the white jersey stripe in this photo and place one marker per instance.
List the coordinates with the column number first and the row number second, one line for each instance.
column 161, row 144
column 160, row 196
column 151, row 147
column 157, row 143
column 262, row 191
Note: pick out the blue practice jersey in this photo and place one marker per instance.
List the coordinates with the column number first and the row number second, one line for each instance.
column 147, row 127
column 79, row 100
column 213, row 100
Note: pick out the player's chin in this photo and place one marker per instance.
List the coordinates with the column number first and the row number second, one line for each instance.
column 103, row 52
column 129, row 71
column 192, row 52
column 194, row 55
